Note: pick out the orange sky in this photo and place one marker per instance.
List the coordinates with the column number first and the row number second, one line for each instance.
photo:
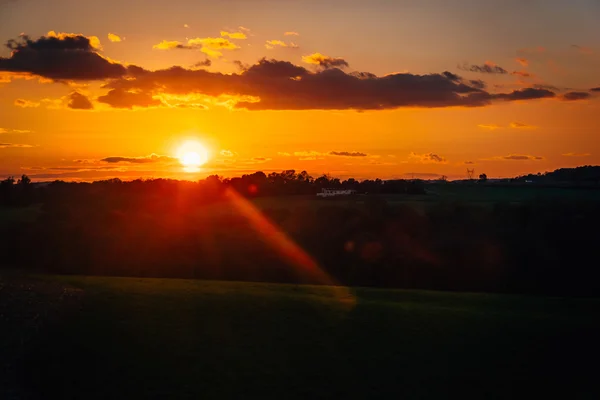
column 384, row 89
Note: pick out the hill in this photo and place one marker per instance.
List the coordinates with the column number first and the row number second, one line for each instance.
column 172, row 338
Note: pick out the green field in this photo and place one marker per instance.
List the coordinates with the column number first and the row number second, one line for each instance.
column 169, row 338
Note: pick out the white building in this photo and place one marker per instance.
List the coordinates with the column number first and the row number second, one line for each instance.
column 335, row 192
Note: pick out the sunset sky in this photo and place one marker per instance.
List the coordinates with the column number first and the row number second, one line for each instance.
column 389, row 89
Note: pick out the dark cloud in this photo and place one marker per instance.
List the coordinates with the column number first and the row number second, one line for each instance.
column 347, row 154
column 574, row 96
column 477, row 83
column 60, row 57
column 152, row 158
column 469, row 162
column 325, row 61
column 281, row 85
column 487, row 68
column 523, row 74
column 119, row 98
column 77, row 101
column 526, row 94
column 596, row 89
column 205, row 63
column 521, row 157
column 546, row 87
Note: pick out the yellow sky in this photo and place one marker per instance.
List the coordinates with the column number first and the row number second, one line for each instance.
column 305, row 108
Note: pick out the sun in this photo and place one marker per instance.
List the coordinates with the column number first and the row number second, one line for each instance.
column 192, row 154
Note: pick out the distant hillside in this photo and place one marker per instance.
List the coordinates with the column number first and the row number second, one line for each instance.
column 587, row 174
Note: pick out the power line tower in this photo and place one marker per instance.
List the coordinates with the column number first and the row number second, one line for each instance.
column 470, row 173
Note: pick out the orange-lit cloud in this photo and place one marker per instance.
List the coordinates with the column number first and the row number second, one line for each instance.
column 234, row 35
column 523, row 74
column 490, row 127
column 271, row 44
column 520, row 125
column 26, row 103
column 427, row 158
column 210, row 46
column 577, row 154
column 523, row 61
column 325, row 61
column 114, row 38
column 14, row 145
column 291, row 33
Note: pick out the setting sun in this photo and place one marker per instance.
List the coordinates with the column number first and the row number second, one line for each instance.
column 192, row 154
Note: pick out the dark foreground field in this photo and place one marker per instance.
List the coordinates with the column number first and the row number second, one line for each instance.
column 169, row 338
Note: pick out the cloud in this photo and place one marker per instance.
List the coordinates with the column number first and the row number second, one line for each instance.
column 119, row 98
column 523, row 74
column 490, row 127
column 291, row 33
column 574, row 96
column 520, row 125
column 227, row 153
column 347, row 154
column 261, row 159
column 271, row 44
column 77, row 101
column 325, row 61
column 210, row 46
column 577, row 154
column 583, row 49
column 281, row 85
column 283, row 154
column 523, row 61
column 526, row 94
column 234, row 35
column 470, row 162
column 309, row 153
column 186, row 26
column 14, row 145
column 520, row 157
column 204, row 63
column 26, row 103
column 4, row 130
column 427, row 158
column 114, row 38
column 487, row 68
column 61, row 56
column 596, row 89
column 152, row 158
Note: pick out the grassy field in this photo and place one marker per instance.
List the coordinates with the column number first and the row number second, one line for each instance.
column 168, row 338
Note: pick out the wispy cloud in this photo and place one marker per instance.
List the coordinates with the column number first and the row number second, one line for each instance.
column 523, row 61
column 427, row 158
column 291, row 33
column 152, row 158
column 487, row 68
column 347, row 153
column 26, row 103
column 271, row 44
column 490, row 127
column 577, row 154
column 14, row 145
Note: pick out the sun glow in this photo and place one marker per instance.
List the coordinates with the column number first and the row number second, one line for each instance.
column 192, row 155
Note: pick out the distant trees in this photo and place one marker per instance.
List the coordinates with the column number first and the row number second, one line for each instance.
column 483, row 178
